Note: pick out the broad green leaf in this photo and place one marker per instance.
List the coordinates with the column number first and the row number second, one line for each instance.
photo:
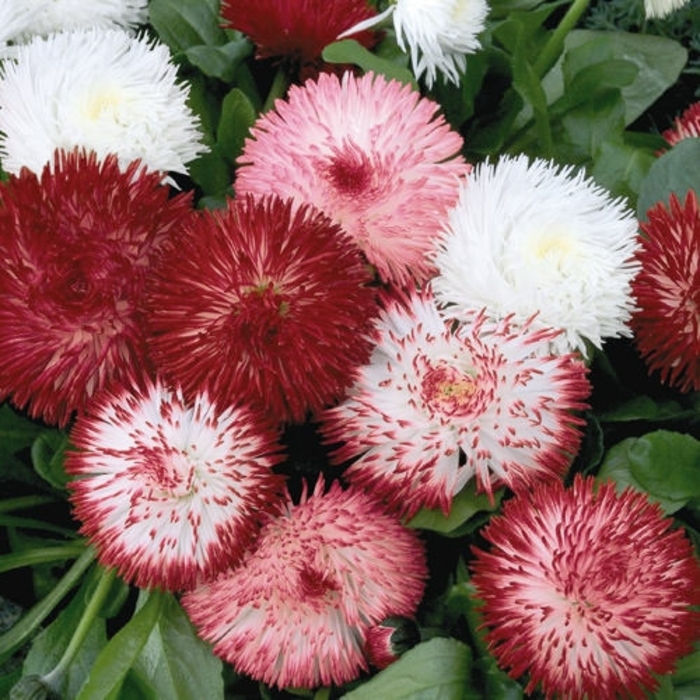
column 121, row 652
column 646, row 409
column 464, row 505
column 220, row 61
column 182, row 24
column 16, row 431
column 237, row 116
column 676, row 171
column 352, row 52
column 175, row 662
column 212, row 172
column 439, row 668
column 48, row 452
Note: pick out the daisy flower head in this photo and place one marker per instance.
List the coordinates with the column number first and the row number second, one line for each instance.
column 42, row 17
column 170, row 492
column 656, row 9
column 438, row 34
column 667, row 324
column 686, row 126
column 587, row 591
column 436, row 407
column 99, row 89
column 262, row 302
column 531, row 237
column 77, row 244
column 297, row 32
column 370, row 153
column 297, row 610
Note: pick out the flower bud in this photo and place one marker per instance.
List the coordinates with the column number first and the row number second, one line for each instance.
column 390, row 639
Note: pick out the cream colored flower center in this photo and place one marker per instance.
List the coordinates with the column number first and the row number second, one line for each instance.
column 103, row 103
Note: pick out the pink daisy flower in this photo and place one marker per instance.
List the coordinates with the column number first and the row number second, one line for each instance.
column 436, row 407
column 77, row 244
column 684, row 127
column 297, row 32
column 372, row 154
column 587, row 591
column 297, row 610
column 169, row 492
column 265, row 303
column 667, row 324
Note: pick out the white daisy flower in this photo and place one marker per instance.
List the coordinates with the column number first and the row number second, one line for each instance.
column 533, row 238
column 662, row 8
column 103, row 90
column 437, row 33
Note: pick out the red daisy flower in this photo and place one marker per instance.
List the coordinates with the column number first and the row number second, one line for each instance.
column 77, row 244
column 297, row 31
column 587, row 591
column 297, row 610
column 667, row 325
column 684, row 127
column 263, row 303
column 169, row 492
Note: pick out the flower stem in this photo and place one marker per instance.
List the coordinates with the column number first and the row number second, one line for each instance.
column 10, row 504
column 53, row 678
column 553, row 48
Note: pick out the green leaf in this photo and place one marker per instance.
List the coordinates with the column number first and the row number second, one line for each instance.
column 352, row 52
column 16, row 431
column 676, row 171
column 48, row 453
column 220, row 61
column 182, row 24
column 121, row 652
column 237, row 116
column 438, row 668
column 175, row 662
column 213, row 173
column 464, row 505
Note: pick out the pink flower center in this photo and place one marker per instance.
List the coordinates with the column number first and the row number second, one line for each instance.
column 315, row 583
column 350, row 172
column 169, row 472
column 261, row 314
column 448, row 390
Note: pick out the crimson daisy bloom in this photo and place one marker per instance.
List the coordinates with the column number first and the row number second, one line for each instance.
column 297, row 610
column 169, row 491
column 684, row 127
column 77, row 243
column 667, row 324
column 298, row 31
column 265, row 303
column 436, row 407
column 372, row 154
column 587, row 591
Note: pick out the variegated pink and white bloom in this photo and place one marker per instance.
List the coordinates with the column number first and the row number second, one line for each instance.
column 436, row 407
column 170, row 492
column 371, row 154
column 323, row 573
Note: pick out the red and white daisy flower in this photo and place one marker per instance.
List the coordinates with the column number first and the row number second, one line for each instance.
column 370, row 153
column 586, row 591
column 296, row 612
column 77, row 244
column 436, row 407
column 167, row 491
column 263, row 303
column 687, row 126
column 297, row 32
column 667, row 324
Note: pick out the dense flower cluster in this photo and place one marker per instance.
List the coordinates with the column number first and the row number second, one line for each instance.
column 362, row 318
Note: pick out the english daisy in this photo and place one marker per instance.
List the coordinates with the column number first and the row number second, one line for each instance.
column 264, row 303
column 586, row 591
column 655, row 9
column 169, row 491
column 531, row 237
column 436, row 407
column 42, row 17
column 77, row 245
column 296, row 32
column 297, row 610
column 667, row 323
column 370, row 153
column 99, row 89
column 684, row 127
column 439, row 34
